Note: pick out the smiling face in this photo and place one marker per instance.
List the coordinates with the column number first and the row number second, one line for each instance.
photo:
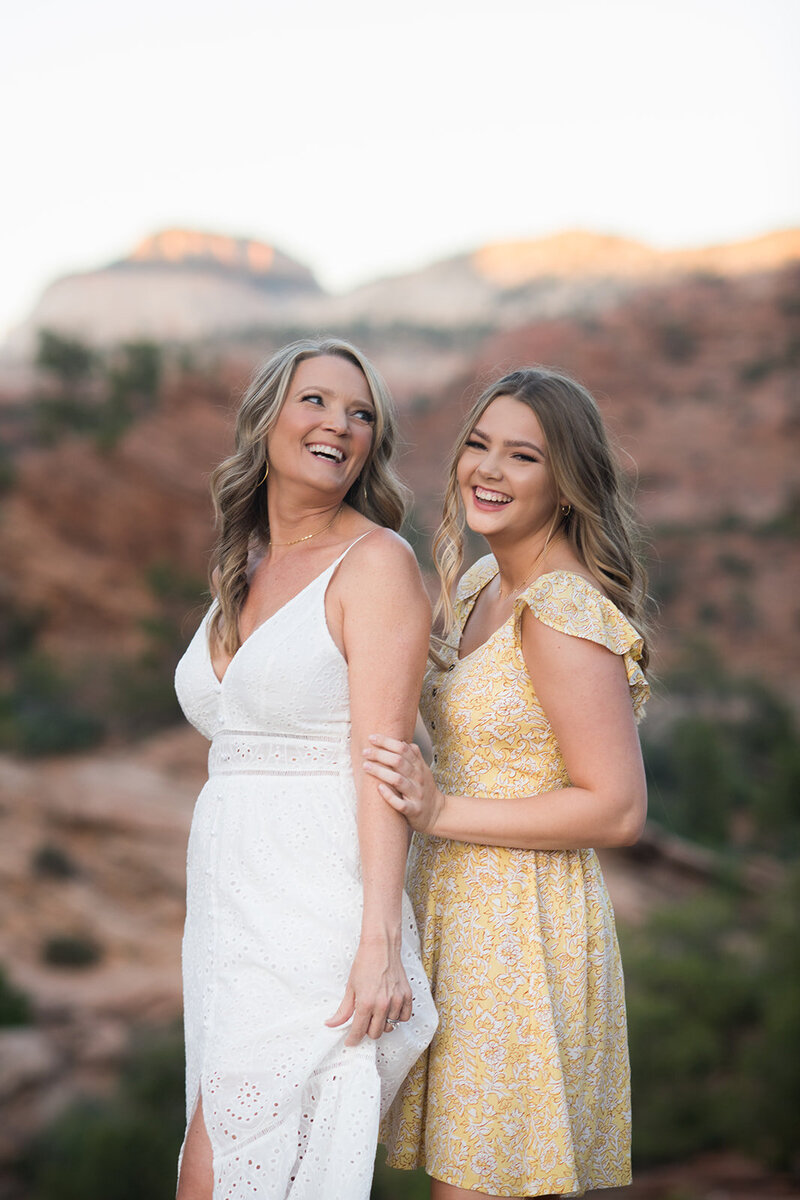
column 324, row 431
column 504, row 475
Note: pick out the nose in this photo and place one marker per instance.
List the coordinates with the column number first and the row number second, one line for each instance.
column 489, row 466
column 336, row 419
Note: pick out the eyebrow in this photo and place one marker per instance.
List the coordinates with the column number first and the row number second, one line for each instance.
column 508, row 444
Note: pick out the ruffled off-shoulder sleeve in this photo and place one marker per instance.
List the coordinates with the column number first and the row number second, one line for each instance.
column 568, row 603
column 472, row 582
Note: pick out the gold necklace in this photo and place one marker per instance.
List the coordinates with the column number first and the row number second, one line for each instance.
column 528, row 577
column 297, row 541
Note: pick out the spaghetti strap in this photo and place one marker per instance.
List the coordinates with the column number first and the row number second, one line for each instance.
column 273, row 919
column 347, row 549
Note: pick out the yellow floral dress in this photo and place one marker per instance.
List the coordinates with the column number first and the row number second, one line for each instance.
column 525, row 1088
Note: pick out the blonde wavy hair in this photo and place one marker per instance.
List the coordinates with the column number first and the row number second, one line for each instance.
column 600, row 525
column 239, row 491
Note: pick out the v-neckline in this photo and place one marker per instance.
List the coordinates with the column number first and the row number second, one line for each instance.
column 219, row 682
column 463, row 658
column 512, row 614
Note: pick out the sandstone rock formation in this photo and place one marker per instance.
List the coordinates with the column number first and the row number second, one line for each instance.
column 176, row 285
column 181, row 285
column 119, row 822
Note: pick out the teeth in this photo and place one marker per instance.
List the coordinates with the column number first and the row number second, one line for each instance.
column 327, row 451
column 494, row 497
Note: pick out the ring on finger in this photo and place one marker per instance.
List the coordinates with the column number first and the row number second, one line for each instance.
column 393, row 1021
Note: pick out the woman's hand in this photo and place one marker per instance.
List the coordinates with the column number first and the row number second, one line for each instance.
column 378, row 994
column 412, row 791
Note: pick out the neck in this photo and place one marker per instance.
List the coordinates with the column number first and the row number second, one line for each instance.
column 293, row 516
column 521, row 562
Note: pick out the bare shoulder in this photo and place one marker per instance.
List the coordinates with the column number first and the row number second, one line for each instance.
column 382, row 558
column 379, row 600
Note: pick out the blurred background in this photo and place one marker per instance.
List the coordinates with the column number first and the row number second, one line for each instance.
column 611, row 189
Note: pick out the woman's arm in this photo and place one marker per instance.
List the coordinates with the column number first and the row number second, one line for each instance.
column 385, row 630
column 583, row 690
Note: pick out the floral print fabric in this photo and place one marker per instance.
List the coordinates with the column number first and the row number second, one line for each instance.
column 524, row 1090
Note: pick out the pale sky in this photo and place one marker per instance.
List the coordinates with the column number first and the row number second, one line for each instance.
column 366, row 138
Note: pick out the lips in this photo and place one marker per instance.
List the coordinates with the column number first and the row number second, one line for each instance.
column 328, row 453
column 487, row 500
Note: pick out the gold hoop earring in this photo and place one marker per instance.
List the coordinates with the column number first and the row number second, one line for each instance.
column 566, row 509
column 266, row 473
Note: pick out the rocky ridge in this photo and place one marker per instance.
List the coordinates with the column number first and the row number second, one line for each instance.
column 182, row 286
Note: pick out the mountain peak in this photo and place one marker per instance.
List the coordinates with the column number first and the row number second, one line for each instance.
column 194, row 248
column 579, row 254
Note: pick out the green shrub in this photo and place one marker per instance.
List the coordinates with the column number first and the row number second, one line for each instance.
column 733, row 752
column 8, row 470
column 786, row 522
column 695, row 778
column 143, row 697
column 50, row 860
column 69, row 360
column 38, row 715
column 122, row 1148
column 689, row 999
column 71, row 950
column 713, row 992
column 759, row 368
column 734, row 564
column 94, row 394
column 770, row 1095
column 15, row 1007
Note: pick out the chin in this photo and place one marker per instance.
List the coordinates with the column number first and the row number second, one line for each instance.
column 485, row 524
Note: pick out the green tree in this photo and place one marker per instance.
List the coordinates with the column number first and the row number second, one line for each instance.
column 122, row 1148
column 692, row 997
column 713, row 992
column 15, row 1007
column 69, row 360
column 770, row 1100
column 726, row 770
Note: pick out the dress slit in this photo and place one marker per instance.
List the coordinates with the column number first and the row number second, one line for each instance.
column 197, row 1106
column 273, row 920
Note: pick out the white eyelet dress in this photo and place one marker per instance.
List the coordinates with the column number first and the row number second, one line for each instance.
column 273, row 916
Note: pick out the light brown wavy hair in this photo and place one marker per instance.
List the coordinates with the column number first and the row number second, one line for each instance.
column 600, row 525
column 239, row 491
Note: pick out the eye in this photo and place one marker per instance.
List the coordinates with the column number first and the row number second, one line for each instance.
column 474, row 444
column 525, row 457
column 313, row 398
column 366, row 415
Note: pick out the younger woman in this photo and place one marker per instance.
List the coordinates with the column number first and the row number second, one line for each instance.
column 531, row 708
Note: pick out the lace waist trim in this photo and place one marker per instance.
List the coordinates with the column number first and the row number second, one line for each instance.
column 243, row 752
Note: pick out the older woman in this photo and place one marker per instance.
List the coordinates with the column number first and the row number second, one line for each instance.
column 305, row 1001
column 531, row 706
